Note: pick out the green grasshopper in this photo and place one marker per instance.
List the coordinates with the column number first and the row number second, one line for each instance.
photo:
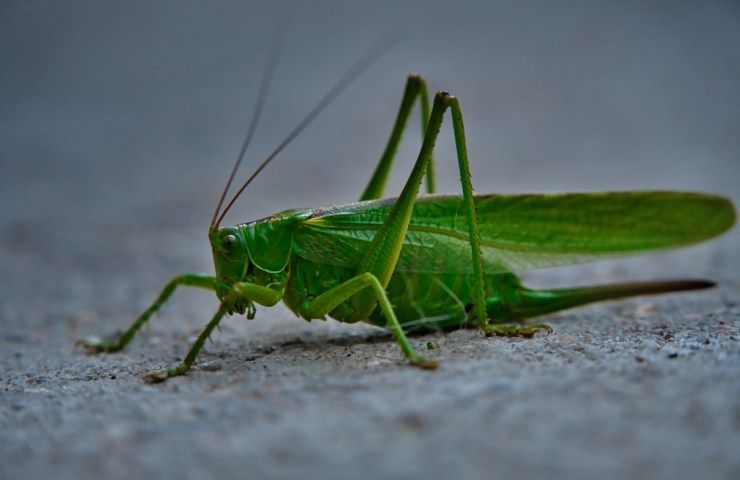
column 434, row 262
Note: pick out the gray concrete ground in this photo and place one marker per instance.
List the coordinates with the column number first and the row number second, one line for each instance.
column 118, row 124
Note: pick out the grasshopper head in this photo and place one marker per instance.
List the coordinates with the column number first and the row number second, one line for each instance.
column 230, row 257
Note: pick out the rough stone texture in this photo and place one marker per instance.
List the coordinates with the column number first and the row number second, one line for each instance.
column 117, row 126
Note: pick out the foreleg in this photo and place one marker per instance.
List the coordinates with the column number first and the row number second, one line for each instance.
column 186, row 279
column 240, row 291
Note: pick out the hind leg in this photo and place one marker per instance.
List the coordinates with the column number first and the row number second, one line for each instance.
column 415, row 87
column 508, row 305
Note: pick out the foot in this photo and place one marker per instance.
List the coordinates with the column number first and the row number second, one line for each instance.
column 162, row 375
column 513, row 330
column 424, row 363
column 97, row 346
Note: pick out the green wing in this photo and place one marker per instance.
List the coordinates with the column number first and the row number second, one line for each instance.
column 519, row 232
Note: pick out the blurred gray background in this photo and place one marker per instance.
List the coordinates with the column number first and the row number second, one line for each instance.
column 119, row 122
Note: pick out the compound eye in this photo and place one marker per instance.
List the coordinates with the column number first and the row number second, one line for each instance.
column 228, row 242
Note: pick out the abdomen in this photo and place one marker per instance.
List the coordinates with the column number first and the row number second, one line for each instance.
column 428, row 301
column 421, row 301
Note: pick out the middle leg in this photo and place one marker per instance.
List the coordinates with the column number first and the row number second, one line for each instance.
column 328, row 301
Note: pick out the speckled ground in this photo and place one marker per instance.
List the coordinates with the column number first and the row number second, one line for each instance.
column 117, row 127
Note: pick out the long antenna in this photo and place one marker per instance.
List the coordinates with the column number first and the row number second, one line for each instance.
column 275, row 47
column 372, row 54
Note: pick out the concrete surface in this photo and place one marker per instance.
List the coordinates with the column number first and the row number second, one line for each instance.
column 118, row 125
